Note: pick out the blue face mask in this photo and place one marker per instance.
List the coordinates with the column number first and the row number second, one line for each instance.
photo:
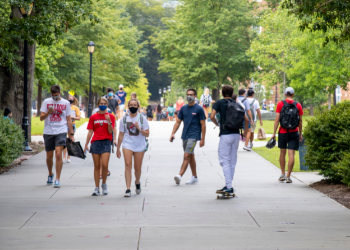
column 102, row 107
column 110, row 94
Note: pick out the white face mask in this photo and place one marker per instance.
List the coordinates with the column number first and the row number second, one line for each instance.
column 55, row 98
column 190, row 99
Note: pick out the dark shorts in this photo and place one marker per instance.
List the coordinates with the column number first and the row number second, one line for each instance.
column 53, row 141
column 289, row 141
column 101, row 147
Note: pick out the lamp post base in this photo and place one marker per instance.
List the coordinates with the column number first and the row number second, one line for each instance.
column 26, row 147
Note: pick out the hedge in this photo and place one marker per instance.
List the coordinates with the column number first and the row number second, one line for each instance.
column 328, row 140
column 11, row 141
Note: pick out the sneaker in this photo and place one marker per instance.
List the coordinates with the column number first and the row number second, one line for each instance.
column 64, row 160
column 68, row 160
column 192, row 181
column 57, row 184
column 282, row 178
column 50, row 179
column 288, row 180
column 138, row 188
column 229, row 190
column 127, row 193
column 247, row 148
column 220, row 191
column 104, row 189
column 177, row 179
column 251, row 145
column 109, row 173
column 96, row 192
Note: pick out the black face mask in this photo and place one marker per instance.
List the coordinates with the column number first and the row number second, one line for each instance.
column 120, row 88
column 70, row 101
column 133, row 110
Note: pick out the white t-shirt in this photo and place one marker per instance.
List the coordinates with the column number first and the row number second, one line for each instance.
column 256, row 106
column 56, row 123
column 272, row 107
column 133, row 139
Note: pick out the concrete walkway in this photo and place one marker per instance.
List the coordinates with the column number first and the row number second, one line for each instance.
column 266, row 215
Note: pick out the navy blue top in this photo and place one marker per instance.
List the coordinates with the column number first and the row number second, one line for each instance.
column 192, row 117
column 121, row 96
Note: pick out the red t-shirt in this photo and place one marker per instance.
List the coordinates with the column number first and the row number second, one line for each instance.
column 179, row 105
column 279, row 109
column 99, row 125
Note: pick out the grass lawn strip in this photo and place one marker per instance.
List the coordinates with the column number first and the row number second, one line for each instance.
column 38, row 126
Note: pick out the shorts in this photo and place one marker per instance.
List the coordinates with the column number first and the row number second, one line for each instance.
column 189, row 145
column 171, row 115
column 53, row 141
column 289, row 141
column 244, row 125
column 253, row 126
column 101, row 147
column 73, row 128
column 121, row 107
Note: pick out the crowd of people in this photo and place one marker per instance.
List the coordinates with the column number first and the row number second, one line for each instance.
column 232, row 114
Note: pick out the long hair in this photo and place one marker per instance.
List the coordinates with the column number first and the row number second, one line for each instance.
column 159, row 108
column 75, row 100
column 134, row 100
column 180, row 99
column 149, row 107
column 100, row 99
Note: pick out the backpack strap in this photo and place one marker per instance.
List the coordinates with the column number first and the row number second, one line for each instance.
column 251, row 105
column 285, row 102
column 124, row 121
column 244, row 100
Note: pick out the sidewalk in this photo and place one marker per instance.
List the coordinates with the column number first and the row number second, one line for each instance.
column 266, row 215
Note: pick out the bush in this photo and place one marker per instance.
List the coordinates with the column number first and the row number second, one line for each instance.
column 321, row 109
column 11, row 141
column 328, row 139
column 343, row 169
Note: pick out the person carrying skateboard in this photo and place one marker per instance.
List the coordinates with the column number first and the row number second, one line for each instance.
column 232, row 115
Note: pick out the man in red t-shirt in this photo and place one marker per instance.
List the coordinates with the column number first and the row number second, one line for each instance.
column 288, row 138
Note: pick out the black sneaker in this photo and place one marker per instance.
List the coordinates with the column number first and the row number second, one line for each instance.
column 127, row 193
column 228, row 191
column 221, row 191
column 138, row 188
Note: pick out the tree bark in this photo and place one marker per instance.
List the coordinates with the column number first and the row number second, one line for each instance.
column 40, row 92
column 329, row 101
column 12, row 84
column 311, row 110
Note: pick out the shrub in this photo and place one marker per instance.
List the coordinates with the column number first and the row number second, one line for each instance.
column 343, row 169
column 328, row 139
column 321, row 109
column 11, row 141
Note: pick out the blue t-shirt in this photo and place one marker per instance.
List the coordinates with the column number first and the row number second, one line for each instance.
column 121, row 96
column 192, row 117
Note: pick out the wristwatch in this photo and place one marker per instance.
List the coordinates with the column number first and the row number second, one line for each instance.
column 109, row 123
column 71, row 133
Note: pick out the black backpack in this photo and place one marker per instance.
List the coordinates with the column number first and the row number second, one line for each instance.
column 289, row 118
column 149, row 113
column 234, row 115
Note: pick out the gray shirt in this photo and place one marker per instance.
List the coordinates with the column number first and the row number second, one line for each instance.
column 245, row 103
column 112, row 105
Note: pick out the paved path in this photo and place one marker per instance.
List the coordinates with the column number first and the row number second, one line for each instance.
column 266, row 214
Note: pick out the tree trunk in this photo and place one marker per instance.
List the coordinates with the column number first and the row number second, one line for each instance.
column 311, row 110
column 12, row 87
column 335, row 97
column 216, row 94
column 40, row 92
column 329, row 101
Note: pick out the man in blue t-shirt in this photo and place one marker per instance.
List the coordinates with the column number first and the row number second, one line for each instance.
column 122, row 97
column 194, row 127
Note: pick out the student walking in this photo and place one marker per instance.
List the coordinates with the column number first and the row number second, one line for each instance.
column 133, row 131
column 75, row 116
column 101, row 126
column 171, row 112
column 246, row 104
column 56, row 112
column 229, row 133
column 150, row 113
column 255, row 111
column 179, row 104
column 194, row 130
column 205, row 101
column 113, row 102
column 159, row 113
column 122, row 97
column 289, row 115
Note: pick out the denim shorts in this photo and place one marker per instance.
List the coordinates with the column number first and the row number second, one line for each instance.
column 101, row 147
column 244, row 125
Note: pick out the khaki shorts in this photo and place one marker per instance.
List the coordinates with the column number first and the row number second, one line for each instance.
column 253, row 126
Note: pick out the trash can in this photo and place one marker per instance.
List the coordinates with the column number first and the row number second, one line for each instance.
column 302, row 153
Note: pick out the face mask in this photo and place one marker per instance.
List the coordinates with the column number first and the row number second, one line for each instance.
column 70, row 101
column 120, row 88
column 110, row 94
column 133, row 110
column 190, row 99
column 56, row 97
column 102, row 107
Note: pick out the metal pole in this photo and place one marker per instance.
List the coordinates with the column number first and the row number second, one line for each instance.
column 25, row 123
column 90, row 97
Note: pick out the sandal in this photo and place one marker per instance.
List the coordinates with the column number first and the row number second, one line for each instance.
column 109, row 173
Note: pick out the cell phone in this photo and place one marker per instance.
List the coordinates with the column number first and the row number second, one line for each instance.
column 172, row 139
column 86, row 152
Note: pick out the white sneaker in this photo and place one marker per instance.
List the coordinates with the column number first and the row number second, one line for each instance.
column 96, row 192
column 247, row 148
column 177, row 179
column 104, row 189
column 68, row 160
column 192, row 181
column 250, row 145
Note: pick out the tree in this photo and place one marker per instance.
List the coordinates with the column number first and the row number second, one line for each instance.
column 45, row 23
column 206, row 41
column 140, row 88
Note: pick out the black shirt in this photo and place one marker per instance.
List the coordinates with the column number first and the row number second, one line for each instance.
column 220, row 107
column 112, row 105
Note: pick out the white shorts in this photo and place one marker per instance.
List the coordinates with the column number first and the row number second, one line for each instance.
column 121, row 107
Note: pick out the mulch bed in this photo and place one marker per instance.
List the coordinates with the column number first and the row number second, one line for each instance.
column 337, row 191
column 37, row 148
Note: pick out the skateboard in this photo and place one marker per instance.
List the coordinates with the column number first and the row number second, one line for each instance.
column 225, row 195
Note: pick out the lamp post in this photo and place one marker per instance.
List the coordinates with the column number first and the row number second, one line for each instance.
column 25, row 124
column 91, row 49
column 164, row 92
column 160, row 95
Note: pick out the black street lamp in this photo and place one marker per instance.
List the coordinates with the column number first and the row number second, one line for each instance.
column 160, row 95
column 91, row 49
column 25, row 124
column 164, row 92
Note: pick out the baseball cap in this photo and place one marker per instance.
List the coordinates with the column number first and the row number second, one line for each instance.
column 121, row 86
column 289, row 91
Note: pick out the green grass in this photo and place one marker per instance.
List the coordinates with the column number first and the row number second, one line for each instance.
column 38, row 126
column 267, row 138
column 268, row 125
column 272, row 155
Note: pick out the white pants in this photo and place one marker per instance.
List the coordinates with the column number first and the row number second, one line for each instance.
column 228, row 147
